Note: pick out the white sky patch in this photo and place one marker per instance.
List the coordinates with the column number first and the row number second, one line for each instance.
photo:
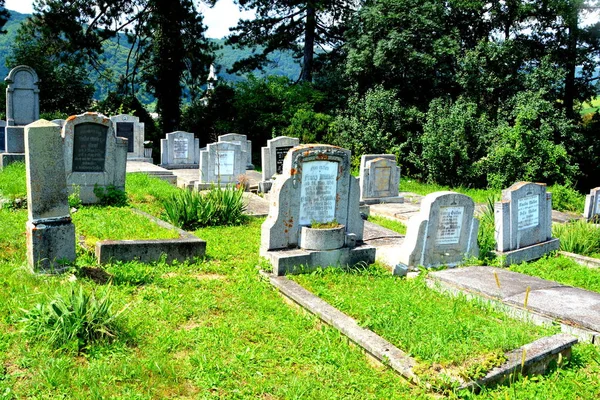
column 21, row 6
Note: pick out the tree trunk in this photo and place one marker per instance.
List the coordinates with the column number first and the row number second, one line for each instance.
column 309, row 43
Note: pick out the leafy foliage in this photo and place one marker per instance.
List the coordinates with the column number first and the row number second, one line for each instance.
column 110, row 196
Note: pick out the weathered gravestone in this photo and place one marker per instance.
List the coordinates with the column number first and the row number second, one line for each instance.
column 2, row 138
column 94, row 156
column 179, row 150
column 130, row 127
column 379, row 179
column 592, row 204
column 315, row 187
column 523, row 220
column 59, row 122
column 50, row 232
column 443, row 233
column 243, row 141
column 22, row 108
column 272, row 158
column 220, row 164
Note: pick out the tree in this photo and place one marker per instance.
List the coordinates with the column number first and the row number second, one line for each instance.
column 4, row 15
column 301, row 26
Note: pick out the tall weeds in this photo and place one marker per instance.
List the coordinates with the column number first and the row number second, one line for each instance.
column 578, row 237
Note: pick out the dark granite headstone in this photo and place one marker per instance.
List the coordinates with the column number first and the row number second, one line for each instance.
column 89, row 147
column 125, row 129
column 280, row 153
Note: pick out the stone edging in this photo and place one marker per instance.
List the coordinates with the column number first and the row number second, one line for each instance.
column 583, row 260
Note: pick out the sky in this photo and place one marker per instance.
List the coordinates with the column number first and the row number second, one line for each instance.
column 218, row 19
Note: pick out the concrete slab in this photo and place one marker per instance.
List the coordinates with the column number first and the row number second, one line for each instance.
column 134, row 167
column 564, row 217
column 400, row 211
column 256, row 206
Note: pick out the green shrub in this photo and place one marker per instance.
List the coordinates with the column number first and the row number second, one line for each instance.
column 73, row 320
column 110, row 196
column 75, row 198
column 565, row 198
column 191, row 209
column 578, row 237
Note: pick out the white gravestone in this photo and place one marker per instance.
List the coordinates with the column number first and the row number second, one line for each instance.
column 592, row 205
column 243, row 141
column 523, row 220
column 50, row 232
column 179, row 150
column 93, row 154
column 272, row 158
column 379, row 179
column 443, row 233
column 315, row 186
column 130, row 127
column 220, row 164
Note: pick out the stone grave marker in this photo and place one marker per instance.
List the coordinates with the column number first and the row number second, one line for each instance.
column 59, row 122
column 220, row 164
column 22, row 108
column 592, row 204
column 179, row 150
column 2, row 138
column 443, row 233
column 50, row 232
column 272, row 158
column 315, row 187
column 93, row 155
column 243, row 141
column 130, row 127
column 523, row 223
column 379, row 179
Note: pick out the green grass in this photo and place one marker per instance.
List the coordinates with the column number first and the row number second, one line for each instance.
column 591, row 106
column 478, row 195
column 147, row 193
column 12, row 181
column 388, row 223
column 12, row 235
column 563, row 270
column 117, row 223
column 578, row 237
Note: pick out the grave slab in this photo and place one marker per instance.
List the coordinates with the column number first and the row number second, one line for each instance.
column 141, row 167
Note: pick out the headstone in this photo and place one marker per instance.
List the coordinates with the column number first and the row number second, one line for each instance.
column 2, row 138
column 93, row 155
column 315, row 186
column 243, row 141
column 22, row 108
column 130, row 127
column 50, row 232
column 523, row 223
column 272, row 158
column 59, row 122
column 220, row 164
column 379, row 179
column 443, row 233
column 179, row 150
column 592, row 205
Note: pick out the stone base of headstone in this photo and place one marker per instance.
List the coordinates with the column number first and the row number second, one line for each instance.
column 9, row 158
column 264, row 186
column 384, row 200
column 528, row 253
column 142, row 159
column 50, row 245
column 295, row 261
column 15, row 139
column 179, row 166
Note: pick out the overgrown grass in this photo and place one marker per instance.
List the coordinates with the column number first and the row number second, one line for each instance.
column 12, row 181
column 12, row 235
column 578, row 237
column 563, row 270
column 565, row 198
column 116, row 223
column 147, row 193
column 388, row 223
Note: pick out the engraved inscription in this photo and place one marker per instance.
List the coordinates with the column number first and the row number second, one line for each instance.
column 382, row 179
column 180, row 148
column 89, row 147
column 224, row 162
column 125, row 129
column 528, row 212
column 450, row 224
column 318, row 192
column 280, row 153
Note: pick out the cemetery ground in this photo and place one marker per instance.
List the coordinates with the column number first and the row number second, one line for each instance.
column 214, row 328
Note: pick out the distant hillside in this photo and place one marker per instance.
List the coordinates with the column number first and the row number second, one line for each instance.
column 116, row 50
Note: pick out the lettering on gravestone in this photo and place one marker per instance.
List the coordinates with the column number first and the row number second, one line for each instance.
column 450, row 224
column 528, row 212
column 180, row 148
column 224, row 162
column 89, row 147
column 125, row 129
column 318, row 192
column 382, row 179
column 280, row 153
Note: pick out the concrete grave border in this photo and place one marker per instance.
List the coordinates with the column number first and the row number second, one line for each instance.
column 531, row 359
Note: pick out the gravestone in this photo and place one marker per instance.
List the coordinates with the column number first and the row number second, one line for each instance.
column 243, row 141
column 59, row 122
column 443, row 233
column 179, row 150
column 220, row 164
column 93, row 155
column 130, row 127
column 523, row 223
column 50, row 232
column 22, row 108
column 379, row 179
column 2, row 138
column 315, row 186
column 592, row 205
column 272, row 158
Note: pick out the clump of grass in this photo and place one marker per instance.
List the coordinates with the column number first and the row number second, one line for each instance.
column 414, row 186
column 73, row 320
column 565, row 198
column 110, row 196
column 486, row 236
column 388, row 223
column 325, row 225
column 191, row 209
column 578, row 237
